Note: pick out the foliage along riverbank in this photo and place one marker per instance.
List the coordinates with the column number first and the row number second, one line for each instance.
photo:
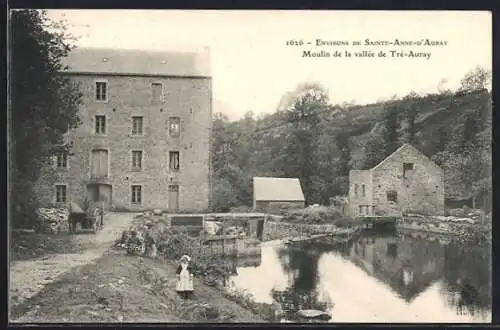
column 121, row 288
column 211, row 271
column 463, row 225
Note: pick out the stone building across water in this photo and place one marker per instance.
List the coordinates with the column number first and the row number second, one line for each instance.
column 144, row 141
column 406, row 181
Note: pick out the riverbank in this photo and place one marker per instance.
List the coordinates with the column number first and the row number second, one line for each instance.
column 286, row 231
column 463, row 229
column 121, row 288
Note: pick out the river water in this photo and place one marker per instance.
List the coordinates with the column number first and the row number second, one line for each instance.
column 375, row 278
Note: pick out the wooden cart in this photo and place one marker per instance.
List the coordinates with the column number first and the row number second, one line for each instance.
column 79, row 220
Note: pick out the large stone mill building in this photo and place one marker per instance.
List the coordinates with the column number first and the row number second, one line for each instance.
column 406, row 181
column 144, row 141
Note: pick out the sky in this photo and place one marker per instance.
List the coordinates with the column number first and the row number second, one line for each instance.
column 252, row 66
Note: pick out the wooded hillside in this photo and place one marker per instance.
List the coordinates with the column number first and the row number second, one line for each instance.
column 318, row 142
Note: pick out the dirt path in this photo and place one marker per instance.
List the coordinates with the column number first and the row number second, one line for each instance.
column 28, row 277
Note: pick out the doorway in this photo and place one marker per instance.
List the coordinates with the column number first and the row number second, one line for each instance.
column 260, row 229
column 100, row 194
column 173, row 198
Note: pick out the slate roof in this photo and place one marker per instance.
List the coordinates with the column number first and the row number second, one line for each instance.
column 136, row 62
column 277, row 189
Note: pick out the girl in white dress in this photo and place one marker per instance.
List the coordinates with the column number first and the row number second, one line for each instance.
column 184, row 277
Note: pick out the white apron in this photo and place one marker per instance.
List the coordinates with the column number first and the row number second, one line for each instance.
column 185, row 282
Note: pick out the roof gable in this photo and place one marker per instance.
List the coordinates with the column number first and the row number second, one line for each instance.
column 402, row 149
column 277, row 189
column 135, row 62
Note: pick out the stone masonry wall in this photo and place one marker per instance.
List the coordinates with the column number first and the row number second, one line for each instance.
column 276, row 207
column 422, row 191
column 359, row 178
column 282, row 230
column 187, row 98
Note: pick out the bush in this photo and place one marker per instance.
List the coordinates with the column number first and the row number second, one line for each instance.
column 241, row 209
column 269, row 312
column 318, row 215
column 172, row 244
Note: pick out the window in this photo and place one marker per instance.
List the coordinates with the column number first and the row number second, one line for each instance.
column 136, row 195
column 355, row 190
column 392, row 250
column 101, row 91
column 174, row 160
column 62, row 160
column 136, row 160
column 361, row 209
column 156, row 89
column 392, row 196
column 407, row 167
column 100, row 124
column 137, row 125
column 226, row 147
column 61, row 193
column 363, row 191
column 174, row 126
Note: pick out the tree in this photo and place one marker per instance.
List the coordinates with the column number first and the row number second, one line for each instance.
column 442, row 139
column 342, row 166
column 373, row 152
column 477, row 79
column 222, row 141
column 44, row 102
column 385, row 140
column 303, row 116
column 411, row 102
column 342, row 142
column 390, row 134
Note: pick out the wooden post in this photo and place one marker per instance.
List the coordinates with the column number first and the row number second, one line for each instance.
column 70, row 228
column 223, row 236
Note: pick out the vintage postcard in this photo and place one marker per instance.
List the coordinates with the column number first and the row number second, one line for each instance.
column 225, row 166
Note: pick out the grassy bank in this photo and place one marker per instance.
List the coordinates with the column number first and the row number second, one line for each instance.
column 212, row 270
column 121, row 288
column 25, row 246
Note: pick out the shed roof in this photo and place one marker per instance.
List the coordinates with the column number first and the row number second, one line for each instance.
column 137, row 62
column 277, row 189
column 75, row 208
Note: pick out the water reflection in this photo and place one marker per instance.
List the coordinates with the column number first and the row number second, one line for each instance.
column 376, row 278
column 302, row 292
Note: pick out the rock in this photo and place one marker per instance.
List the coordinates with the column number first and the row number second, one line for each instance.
column 313, row 314
column 208, row 312
column 53, row 220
